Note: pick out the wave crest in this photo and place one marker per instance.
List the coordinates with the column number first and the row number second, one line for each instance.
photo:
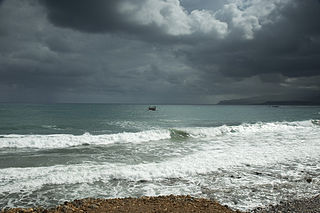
column 68, row 140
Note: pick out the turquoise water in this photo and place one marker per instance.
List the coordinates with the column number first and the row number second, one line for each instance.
column 242, row 156
column 103, row 118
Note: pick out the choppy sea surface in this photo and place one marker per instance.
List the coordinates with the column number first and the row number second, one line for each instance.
column 241, row 156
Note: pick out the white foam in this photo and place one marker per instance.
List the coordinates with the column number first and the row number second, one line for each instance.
column 250, row 128
column 254, row 144
column 68, row 140
column 227, row 150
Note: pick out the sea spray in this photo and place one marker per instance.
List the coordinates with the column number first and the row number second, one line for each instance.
column 68, row 140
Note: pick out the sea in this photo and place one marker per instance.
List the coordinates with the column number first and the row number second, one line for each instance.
column 240, row 156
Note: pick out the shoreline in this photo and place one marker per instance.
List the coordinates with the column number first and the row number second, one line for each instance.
column 170, row 203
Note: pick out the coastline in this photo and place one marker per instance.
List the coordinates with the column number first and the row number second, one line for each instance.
column 171, row 203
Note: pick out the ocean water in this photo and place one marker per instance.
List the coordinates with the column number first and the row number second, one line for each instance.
column 241, row 156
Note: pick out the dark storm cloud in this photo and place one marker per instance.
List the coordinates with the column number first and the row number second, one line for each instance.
column 40, row 62
column 100, row 16
column 286, row 48
column 289, row 46
column 93, row 16
column 159, row 51
column 148, row 20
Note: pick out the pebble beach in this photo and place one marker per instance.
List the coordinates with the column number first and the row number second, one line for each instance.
column 144, row 204
column 169, row 203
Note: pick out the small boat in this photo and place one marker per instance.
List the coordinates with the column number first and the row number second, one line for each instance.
column 152, row 108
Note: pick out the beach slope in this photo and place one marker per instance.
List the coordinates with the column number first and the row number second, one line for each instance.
column 170, row 203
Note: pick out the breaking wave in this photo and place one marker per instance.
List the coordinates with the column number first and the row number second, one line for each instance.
column 269, row 158
column 68, row 140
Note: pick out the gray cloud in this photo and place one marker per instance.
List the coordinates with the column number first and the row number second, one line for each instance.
column 143, row 18
column 159, row 51
column 96, row 16
column 286, row 47
column 191, row 5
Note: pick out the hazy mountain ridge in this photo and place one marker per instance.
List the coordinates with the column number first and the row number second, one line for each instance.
column 249, row 101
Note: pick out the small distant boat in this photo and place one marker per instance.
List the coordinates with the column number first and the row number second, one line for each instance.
column 316, row 122
column 152, row 108
column 274, row 106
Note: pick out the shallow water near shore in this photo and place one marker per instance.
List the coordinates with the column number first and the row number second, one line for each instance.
column 241, row 156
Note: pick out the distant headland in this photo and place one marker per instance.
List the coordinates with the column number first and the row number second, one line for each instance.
column 266, row 102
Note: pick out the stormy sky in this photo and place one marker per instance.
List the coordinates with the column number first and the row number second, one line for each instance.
column 159, row 51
